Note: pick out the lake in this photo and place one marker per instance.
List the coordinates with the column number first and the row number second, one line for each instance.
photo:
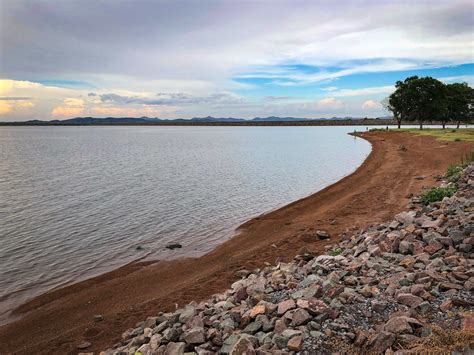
column 76, row 202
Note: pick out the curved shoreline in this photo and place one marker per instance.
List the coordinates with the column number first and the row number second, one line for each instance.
column 57, row 321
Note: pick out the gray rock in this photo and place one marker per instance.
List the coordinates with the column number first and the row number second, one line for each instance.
column 175, row 348
column 195, row 336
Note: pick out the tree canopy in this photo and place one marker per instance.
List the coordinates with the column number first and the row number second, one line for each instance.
column 424, row 99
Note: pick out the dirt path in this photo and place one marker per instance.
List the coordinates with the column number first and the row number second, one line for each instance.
column 58, row 321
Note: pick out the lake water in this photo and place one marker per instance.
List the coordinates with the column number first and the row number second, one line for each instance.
column 78, row 201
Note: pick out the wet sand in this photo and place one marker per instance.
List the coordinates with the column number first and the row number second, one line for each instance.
column 54, row 323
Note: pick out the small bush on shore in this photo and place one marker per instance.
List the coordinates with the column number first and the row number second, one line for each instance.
column 437, row 194
column 452, row 173
column 335, row 252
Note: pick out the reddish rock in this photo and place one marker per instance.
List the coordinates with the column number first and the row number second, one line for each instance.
column 285, row 306
column 446, row 305
column 334, row 291
column 240, row 294
column 294, row 344
column 409, row 300
column 258, row 309
column 433, row 246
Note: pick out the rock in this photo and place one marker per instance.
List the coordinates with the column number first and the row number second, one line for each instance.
column 175, row 348
column 433, row 246
column 252, row 328
column 294, row 344
column 173, row 246
column 446, row 305
column 240, row 295
column 300, row 317
column 405, row 247
column 409, row 300
column 382, row 341
column 243, row 346
column 290, row 333
column 378, row 306
column 258, row 309
column 171, row 334
column 445, row 286
column 401, row 325
column 155, row 341
column 195, row 336
column 322, row 235
column 285, row 306
column 405, row 217
column 229, row 343
column 98, row 318
column 83, row 345
column 186, row 314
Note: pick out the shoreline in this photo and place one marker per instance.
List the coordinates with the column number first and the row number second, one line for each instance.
column 57, row 321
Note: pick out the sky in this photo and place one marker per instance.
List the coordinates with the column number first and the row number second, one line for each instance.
column 181, row 59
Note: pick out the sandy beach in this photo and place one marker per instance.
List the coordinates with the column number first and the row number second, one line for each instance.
column 381, row 187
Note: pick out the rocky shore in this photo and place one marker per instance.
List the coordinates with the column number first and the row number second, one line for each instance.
column 401, row 287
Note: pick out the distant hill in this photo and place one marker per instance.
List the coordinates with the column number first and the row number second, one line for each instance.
column 209, row 120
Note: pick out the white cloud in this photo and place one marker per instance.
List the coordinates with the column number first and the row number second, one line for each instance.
column 330, row 103
column 380, row 90
column 370, row 104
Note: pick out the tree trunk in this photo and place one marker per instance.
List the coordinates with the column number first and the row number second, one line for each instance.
column 421, row 125
column 444, row 125
column 398, row 125
column 459, row 123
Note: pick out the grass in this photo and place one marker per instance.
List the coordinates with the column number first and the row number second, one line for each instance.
column 453, row 135
column 453, row 171
column 437, row 194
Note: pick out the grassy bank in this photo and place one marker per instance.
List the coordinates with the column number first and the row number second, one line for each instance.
column 448, row 134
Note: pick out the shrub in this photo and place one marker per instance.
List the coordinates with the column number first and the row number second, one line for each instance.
column 453, row 171
column 437, row 194
column 457, row 139
column 335, row 252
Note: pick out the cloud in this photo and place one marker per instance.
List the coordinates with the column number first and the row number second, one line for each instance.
column 132, row 111
column 380, row 90
column 278, row 98
column 330, row 103
column 370, row 104
column 207, row 42
column 222, row 98
column 67, row 112
column 74, row 102
column 5, row 108
column 13, row 98
column 329, row 88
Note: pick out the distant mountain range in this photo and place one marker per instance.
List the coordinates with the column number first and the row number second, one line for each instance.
column 149, row 120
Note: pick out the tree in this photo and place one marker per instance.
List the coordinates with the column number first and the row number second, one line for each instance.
column 390, row 105
column 422, row 99
column 459, row 103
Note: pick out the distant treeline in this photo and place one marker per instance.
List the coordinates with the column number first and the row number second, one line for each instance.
column 419, row 100
column 140, row 122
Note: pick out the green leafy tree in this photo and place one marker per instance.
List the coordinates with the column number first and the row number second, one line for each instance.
column 459, row 103
column 424, row 99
